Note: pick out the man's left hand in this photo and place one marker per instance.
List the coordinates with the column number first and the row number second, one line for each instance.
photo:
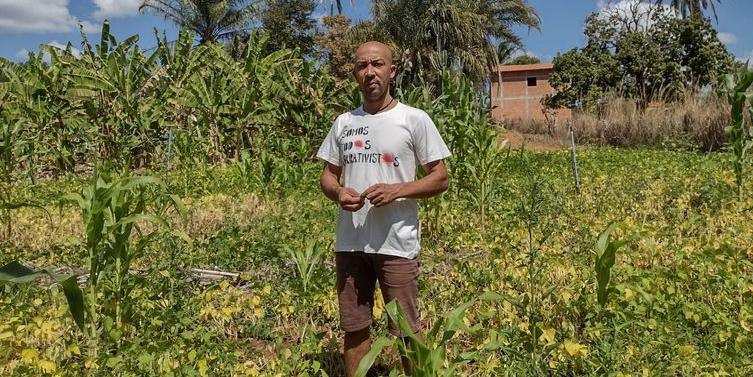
column 382, row 194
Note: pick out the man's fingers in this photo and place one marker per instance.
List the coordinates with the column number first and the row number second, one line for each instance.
column 374, row 194
column 377, row 199
column 351, row 200
column 352, row 207
column 352, row 191
column 366, row 192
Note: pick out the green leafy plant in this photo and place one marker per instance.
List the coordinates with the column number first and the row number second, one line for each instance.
column 17, row 273
column 427, row 355
column 737, row 91
column 307, row 260
column 483, row 168
column 605, row 258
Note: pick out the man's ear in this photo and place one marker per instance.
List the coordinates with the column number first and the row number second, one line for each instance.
column 393, row 71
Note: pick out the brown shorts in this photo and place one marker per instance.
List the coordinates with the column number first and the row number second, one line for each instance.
column 357, row 274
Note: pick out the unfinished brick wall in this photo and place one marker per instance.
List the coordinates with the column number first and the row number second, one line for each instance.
column 523, row 87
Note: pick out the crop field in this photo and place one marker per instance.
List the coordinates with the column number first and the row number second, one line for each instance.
column 678, row 303
column 160, row 214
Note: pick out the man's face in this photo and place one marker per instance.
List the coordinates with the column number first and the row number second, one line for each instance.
column 373, row 69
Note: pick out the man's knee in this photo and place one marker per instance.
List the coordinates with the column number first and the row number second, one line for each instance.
column 355, row 338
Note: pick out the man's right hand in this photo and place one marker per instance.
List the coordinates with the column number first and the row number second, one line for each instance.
column 350, row 199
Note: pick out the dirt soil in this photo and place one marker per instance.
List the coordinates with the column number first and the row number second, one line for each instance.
column 533, row 142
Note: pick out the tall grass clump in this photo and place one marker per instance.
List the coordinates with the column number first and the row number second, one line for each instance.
column 697, row 121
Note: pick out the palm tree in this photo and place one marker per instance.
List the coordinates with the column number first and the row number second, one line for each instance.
column 339, row 5
column 693, row 7
column 462, row 34
column 212, row 20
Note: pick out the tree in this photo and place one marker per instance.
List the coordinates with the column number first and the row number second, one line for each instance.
column 212, row 20
column 339, row 5
column 334, row 48
column 659, row 58
column 524, row 59
column 289, row 24
column 457, row 34
column 694, row 8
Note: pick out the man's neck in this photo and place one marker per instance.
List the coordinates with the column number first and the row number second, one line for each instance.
column 379, row 105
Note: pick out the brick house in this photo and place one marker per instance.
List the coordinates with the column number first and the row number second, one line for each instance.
column 523, row 87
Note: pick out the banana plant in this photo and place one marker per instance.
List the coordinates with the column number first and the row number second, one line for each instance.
column 213, row 96
column 112, row 79
column 39, row 97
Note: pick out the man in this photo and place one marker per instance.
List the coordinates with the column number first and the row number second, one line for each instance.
column 376, row 149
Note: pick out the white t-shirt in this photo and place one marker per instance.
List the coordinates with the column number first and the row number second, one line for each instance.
column 381, row 148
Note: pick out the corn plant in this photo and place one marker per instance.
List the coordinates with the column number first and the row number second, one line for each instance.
column 483, row 167
column 111, row 210
column 267, row 168
column 16, row 273
column 428, row 356
column 307, row 260
column 536, row 210
column 605, row 258
column 739, row 133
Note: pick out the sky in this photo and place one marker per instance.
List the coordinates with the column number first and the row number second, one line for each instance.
column 25, row 24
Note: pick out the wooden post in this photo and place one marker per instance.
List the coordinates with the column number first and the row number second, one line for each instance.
column 573, row 156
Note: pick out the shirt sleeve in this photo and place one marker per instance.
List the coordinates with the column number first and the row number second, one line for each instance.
column 330, row 149
column 427, row 141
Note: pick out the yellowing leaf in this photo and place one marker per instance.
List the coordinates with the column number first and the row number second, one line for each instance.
column 574, row 349
column 29, row 354
column 687, row 350
column 378, row 306
column 202, row 367
column 73, row 349
column 46, row 366
column 547, row 336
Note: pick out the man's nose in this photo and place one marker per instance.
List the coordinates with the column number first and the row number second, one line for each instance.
column 370, row 72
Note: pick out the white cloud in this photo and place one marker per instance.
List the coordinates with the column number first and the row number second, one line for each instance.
column 22, row 54
column 748, row 57
column 521, row 52
column 115, row 8
column 319, row 17
column 41, row 16
column 727, row 38
column 90, row 27
column 76, row 52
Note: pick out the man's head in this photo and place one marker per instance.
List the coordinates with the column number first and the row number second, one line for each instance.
column 373, row 69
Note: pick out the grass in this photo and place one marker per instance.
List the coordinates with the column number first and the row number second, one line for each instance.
column 696, row 122
column 679, row 301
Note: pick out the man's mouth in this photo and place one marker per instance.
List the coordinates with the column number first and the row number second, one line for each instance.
column 372, row 85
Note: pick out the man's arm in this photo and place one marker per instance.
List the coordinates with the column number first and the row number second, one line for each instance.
column 433, row 183
column 348, row 198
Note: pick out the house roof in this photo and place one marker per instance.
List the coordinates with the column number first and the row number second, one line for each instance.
column 523, row 67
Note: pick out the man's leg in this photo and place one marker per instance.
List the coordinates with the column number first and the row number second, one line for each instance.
column 357, row 345
column 356, row 283
column 398, row 279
